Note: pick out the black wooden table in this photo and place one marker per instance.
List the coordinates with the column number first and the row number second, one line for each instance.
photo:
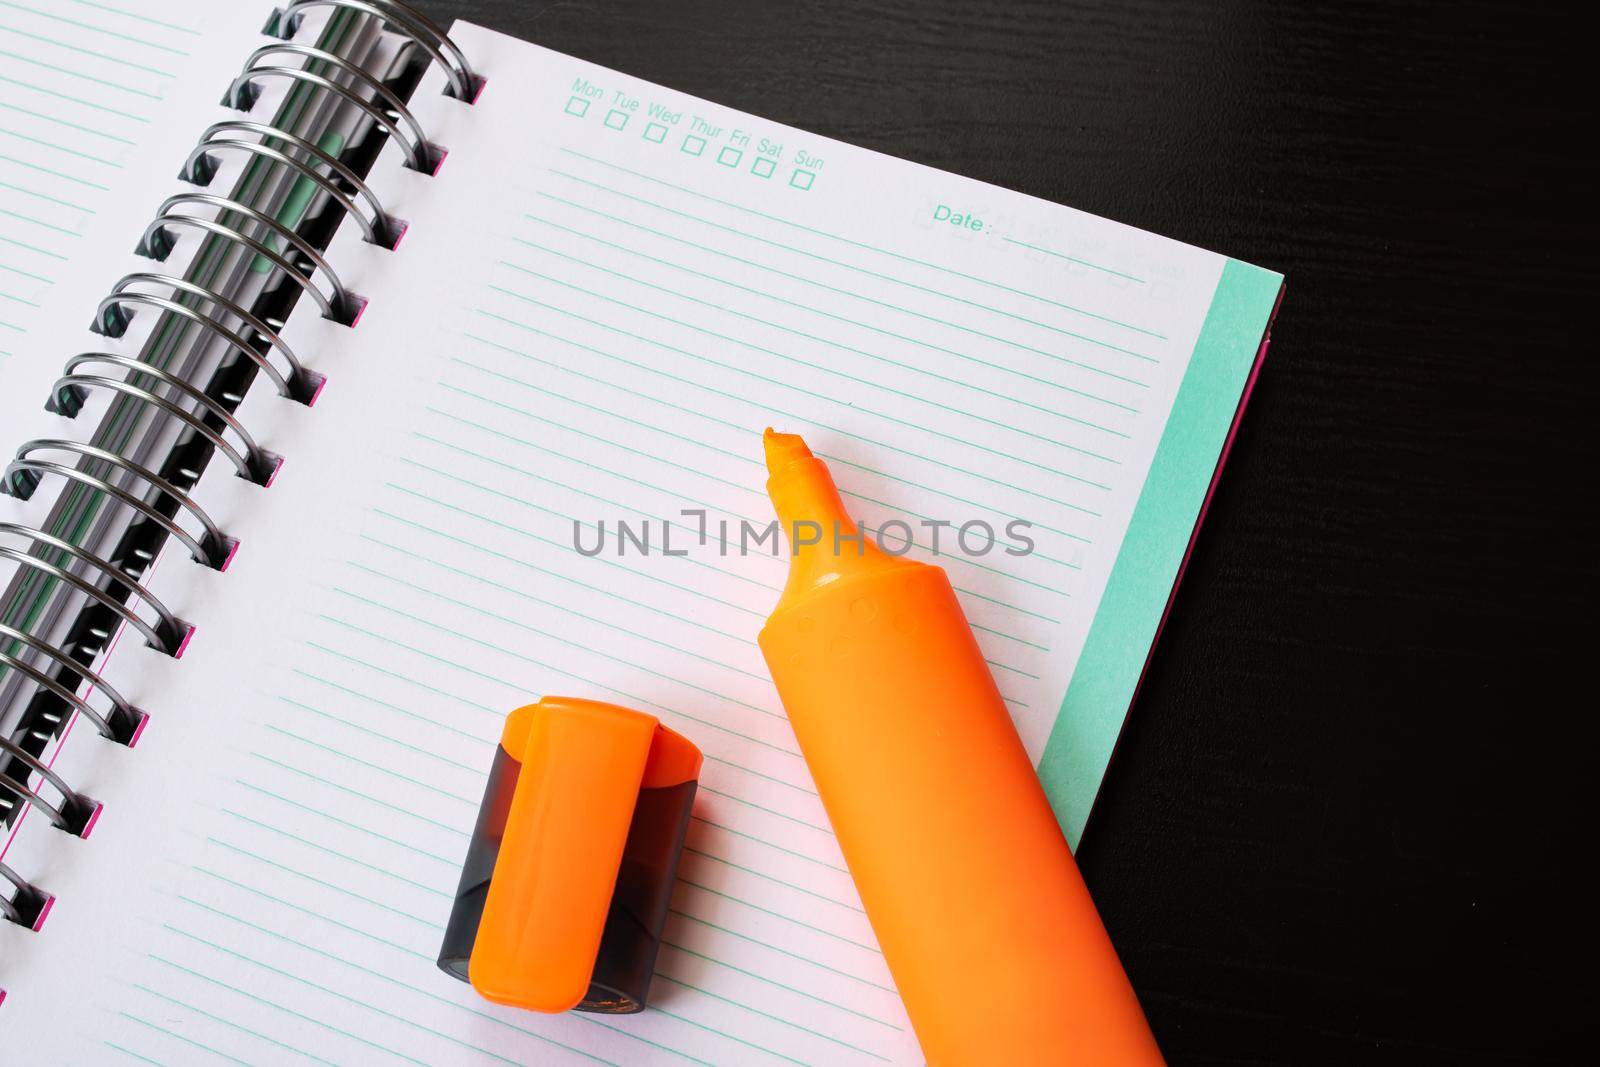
column 1346, row 820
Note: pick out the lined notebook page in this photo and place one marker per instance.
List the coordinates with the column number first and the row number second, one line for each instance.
column 593, row 315
column 99, row 104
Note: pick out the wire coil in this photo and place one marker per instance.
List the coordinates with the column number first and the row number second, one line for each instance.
column 167, row 633
column 73, row 813
column 121, row 724
column 26, row 470
column 66, row 669
column 157, row 242
column 464, row 84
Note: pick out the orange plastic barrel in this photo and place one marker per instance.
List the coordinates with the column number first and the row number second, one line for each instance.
column 983, row 918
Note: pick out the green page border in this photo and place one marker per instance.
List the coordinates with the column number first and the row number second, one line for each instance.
column 1141, row 582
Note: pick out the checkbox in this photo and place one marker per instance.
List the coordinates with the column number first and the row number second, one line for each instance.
column 729, row 157
column 763, row 167
column 655, row 132
column 615, row 119
column 802, row 179
column 578, row 106
column 693, row 145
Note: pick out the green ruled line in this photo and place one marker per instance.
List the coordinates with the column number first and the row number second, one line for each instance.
column 358, row 794
column 563, row 608
column 809, row 229
column 769, row 1015
column 336, row 854
column 835, row 400
column 256, row 998
column 966, row 560
column 692, row 413
column 41, row 225
column 385, row 672
column 780, row 985
column 601, row 559
column 47, row 198
column 599, row 468
column 590, row 464
column 191, row 1042
column 697, row 1024
column 448, row 861
column 91, row 27
column 743, row 429
column 523, row 297
column 782, row 951
column 396, row 708
column 770, row 811
column 103, row 161
column 780, row 915
column 327, row 885
column 56, row 174
column 593, row 439
column 34, row 248
column 769, row 877
column 313, row 914
column 562, row 398
column 526, row 565
column 736, row 456
column 456, row 1005
column 739, row 457
column 410, row 780
column 1073, row 259
column 571, row 518
column 559, row 639
column 386, row 737
column 758, row 839
column 91, row 53
column 17, row 299
column 130, row 116
column 70, row 125
column 231, row 1024
column 26, row 274
column 135, row 15
column 81, row 76
column 615, row 534
column 292, row 976
column 939, row 293
column 878, row 357
column 130, row 1053
column 975, row 446
column 946, row 323
column 430, row 958
column 490, row 646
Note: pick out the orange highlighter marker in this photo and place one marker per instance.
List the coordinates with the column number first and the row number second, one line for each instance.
column 979, row 908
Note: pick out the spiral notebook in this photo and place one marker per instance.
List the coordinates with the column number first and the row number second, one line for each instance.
column 334, row 344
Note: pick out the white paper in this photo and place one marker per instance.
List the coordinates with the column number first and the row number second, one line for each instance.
column 583, row 323
column 99, row 105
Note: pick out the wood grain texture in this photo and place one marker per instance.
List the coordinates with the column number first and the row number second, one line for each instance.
column 1345, row 822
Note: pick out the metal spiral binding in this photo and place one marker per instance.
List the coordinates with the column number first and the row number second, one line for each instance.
column 121, row 725
column 243, row 93
column 166, row 634
column 254, row 463
column 25, row 905
column 464, row 84
column 25, row 472
column 157, row 242
column 74, row 813
column 49, row 666
column 199, row 168
column 112, row 318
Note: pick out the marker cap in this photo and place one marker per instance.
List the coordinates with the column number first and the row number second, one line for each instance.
column 564, row 892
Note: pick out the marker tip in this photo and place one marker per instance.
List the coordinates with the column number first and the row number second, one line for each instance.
column 783, row 449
